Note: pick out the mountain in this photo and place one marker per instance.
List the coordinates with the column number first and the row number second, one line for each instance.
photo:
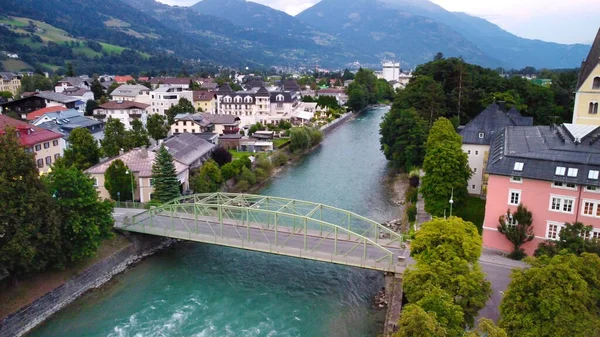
column 414, row 30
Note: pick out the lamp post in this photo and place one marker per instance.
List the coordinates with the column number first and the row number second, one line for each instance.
column 451, row 201
column 132, row 191
column 119, row 198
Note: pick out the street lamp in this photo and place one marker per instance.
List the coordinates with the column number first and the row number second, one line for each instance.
column 451, row 201
column 119, row 198
column 132, row 192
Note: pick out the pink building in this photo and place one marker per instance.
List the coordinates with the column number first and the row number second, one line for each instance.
column 553, row 171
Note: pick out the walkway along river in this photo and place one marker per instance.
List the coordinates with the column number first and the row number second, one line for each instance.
column 202, row 290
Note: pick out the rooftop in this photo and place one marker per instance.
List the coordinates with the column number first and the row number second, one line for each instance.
column 188, row 148
column 197, row 118
column 64, row 126
column 481, row 129
column 171, row 80
column 139, row 161
column 73, row 81
column 129, row 90
column 38, row 113
column 57, row 97
column 29, row 135
column 592, row 60
column 222, row 119
column 203, row 96
column 118, row 105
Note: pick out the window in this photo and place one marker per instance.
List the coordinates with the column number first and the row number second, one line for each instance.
column 48, row 160
column 596, row 83
column 515, row 179
column 510, row 221
column 481, row 135
column 591, row 208
column 468, row 151
column 553, row 230
column 40, row 163
column 518, row 166
column 475, row 170
column 56, row 156
column 55, row 142
column 593, row 108
column 560, row 184
column 46, row 145
column 95, row 182
column 561, row 204
column 514, row 197
column 38, row 147
column 184, row 123
column 560, row 171
column 572, row 172
column 593, row 174
column 151, row 182
column 176, row 130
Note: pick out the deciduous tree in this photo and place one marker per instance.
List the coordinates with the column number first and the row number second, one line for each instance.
column 83, row 151
column 403, row 137
column 558, row 297
column 183, row 106
column 416, row 322
column 221, row 156
column 97, row 89
column 115, row 138
column 119, row 181
column 518, row 229
column 29, row 221
column 486, row 328
column 574, row 238
column 157, row 126
column 85, row 220
column 137, row 136
column 90, row 105
column 207, row 179
column 164, row 175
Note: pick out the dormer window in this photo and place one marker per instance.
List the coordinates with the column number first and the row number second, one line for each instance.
column 572, row 172
column 279, row 98
column 593, row 174
column 518, row 166
column 560, row 171
column 596, row 83
column 481, row 135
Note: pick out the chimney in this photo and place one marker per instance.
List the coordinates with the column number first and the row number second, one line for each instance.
column 502, row 105
column 143, row 152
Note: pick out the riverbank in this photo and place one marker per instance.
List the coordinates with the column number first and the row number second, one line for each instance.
column 55, row 294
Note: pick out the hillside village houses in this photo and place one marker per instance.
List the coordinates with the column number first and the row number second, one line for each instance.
column 125, row 111
column 70, row 83
column 38, row 100
column 166, row 96
column 552, row 170
column 10, row 82
column 131, row 92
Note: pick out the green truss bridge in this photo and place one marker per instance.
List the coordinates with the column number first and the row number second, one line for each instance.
column 274, row 225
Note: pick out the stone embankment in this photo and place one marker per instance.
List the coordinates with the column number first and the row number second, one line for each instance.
column 28, row 317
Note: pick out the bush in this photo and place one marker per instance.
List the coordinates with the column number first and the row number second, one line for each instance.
column 248, row 176
column 242, row 186
column 412, row 195
column 229, row 171
column 242, row 162
column 221, row 156
column 261, row 175
column 411, row 212
column 413, row 181
column 265, row 164
column 279, row 158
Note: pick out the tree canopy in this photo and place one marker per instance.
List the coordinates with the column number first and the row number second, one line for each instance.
column 574, row 238
column 517, row 227
column 183, row 106
column 403, row 136
column 114, row 138
column 157, row 127
column 137, row 136
column 207, row 179
column 83, row 151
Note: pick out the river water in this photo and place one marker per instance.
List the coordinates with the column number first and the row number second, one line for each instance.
column 198, row 290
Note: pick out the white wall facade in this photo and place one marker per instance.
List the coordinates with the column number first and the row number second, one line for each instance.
column 477, row 155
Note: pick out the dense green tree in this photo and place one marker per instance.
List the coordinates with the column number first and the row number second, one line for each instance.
column 85, row 220
column 448, row 314
column 574, row 238
column 115, row 138
column 70, row 70
column 463, row 281
column 347, row 75
column 119, row 181
column 97, row 89
column 446, row 169
column 403, row 136
column 518, row 229
column 247, row 175
column 164, row 175
column 112, row 88
column 221, row 156
column 157, row 127
column 137, row 136
column 30, row 223
column 264, row 163
column 255, row 127
column 416, row 322
column 299, row 139
column 36, row 82
column 6, row 94
column 445, row 239
column 229, row 171
column 486, row 328
column 425, row 95
column 90, row 105
column 207, row 179
column 438, row 57
column 83, row 151
column 183, row 106
column 558, row 297
column 244, row 161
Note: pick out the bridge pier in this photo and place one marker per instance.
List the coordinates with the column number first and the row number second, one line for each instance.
column 393, row 287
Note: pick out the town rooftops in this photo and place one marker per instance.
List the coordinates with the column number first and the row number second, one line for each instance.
column 281, row 97
column 231, row 136
column 7, row 76
column 196, row 118
column 203, row 96
column 291, row 85
column 590, row 62
column 331, row 91
column 481, row 129
column 119, row 105
column 123, row 79
column 73, row 81
column 225, row 89
column 39, row 113
column 222, row 119
column 62, row 114
column 170, row 80
column 29, row 135
column 129, row 90
column 64, row 126
column 139, row 161
column 262, row 92
column 188, row 147
column 56, row 97
column 169, row 88
column 563, row 153
column 75, row 91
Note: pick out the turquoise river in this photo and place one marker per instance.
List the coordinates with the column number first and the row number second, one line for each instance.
column 198, row 290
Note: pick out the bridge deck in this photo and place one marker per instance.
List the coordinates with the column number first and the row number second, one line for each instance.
column 320, row 245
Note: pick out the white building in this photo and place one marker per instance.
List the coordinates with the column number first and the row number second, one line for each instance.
column 165, row 97
column 125, row 111
column 70, row 83
column 131, row 92
column 391, row 71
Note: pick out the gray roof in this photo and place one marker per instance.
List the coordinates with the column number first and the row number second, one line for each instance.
column 222, row 119
column 231, row 136
column 590, row 62
column 188, row 147
column 65, row 126
column 57, row 97
column 74, row 81
column 225, row 88
column 492, row 120
column 197, row 118
column 541, row 149
column 210, row 86
column 7, row 76
column 129, row 90
column 291, row 85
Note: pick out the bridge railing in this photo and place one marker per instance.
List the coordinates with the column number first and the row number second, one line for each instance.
column 241, row 225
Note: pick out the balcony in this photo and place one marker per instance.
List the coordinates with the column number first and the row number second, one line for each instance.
column 230, row 131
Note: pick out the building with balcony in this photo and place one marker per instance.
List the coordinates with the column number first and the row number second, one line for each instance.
column 164, row 97
column 125, row 111
column 554, row 171
column 131, row 92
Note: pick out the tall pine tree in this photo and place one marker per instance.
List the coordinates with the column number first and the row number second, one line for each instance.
column 164, row 176
column 29, row 222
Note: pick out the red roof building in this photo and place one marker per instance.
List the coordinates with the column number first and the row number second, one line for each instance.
column 38, row 113
column 123, row 79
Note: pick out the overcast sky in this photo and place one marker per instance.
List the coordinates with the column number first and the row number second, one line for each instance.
column 564, row 21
